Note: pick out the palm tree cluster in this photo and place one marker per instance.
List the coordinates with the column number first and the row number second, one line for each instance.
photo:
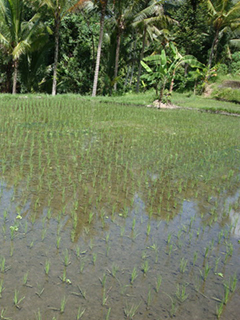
column 34, row 34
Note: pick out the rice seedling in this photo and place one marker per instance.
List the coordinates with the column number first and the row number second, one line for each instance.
column 1, row 288
column 149, row 298
column 219, row 310
column 64, row 276
column 169, row 238
column 114, row 271
column 233, row 283
column 104, row 297
column 195, row 258
column 108, row 314
column 2, row 315
column 81, row 292
column 90, row 217
column 25, row 278
column 226, row 294
column 107, row 250
column 94, row 258
column 47, row 267
column 3, row 265
column 130, row 310
column 38, row 315
column 133, row 275
column 67, row 261
column 148, row 229
column 181, row 293
column 158, row 283
column 13, row 229
column 44, row 233
column 206, row 252
column 170, row 249
column 145, row 267
column 183, row 265
column 205, row 272
column 80, row 313
column 103, row 280
column 17, row 300
column 63, row 304
column 133, row 224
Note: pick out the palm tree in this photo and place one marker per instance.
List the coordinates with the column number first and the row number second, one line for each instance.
column 102, row 5
column 132, row 15
column 223, row 15
column 58, row 9
column 17, row 36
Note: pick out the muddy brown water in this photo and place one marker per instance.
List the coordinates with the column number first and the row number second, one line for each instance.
column 112, row 250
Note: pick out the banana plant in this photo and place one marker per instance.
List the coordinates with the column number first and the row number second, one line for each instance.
column 162, row 69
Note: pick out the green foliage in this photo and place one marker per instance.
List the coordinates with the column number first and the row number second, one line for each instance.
column 227, row 94
column 164, row 68
column 234, row 67
column 77, row 53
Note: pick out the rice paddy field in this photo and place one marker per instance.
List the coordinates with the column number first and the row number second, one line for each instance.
column 117, row 212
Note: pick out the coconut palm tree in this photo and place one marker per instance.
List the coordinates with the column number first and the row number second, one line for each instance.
column 102, row 5
column 58, row 9
column 17, row 36
column 143, row 16
column 223, row 15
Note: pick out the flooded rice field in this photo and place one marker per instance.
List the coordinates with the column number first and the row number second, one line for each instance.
column 117, row 212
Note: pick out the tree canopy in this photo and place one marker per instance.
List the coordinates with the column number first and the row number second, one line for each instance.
column 97, row 46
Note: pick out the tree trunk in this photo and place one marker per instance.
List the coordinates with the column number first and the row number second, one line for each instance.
column 127, row 76
column 162, row 90
column 55, row 64
column 92, row 37
column 213, row 49
column 141, row 57
column 133, row 63
column 117, row 58
column 15, row 72
column 95, row 81
column 172, row 82
column 9, row 75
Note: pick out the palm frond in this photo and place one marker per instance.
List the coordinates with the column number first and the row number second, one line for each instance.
column 211, row 9
column 88, row 5
column 4, row 41
column 20, row 48
column 235, row 43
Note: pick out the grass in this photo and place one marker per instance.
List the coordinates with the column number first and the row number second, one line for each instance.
column 205, row 104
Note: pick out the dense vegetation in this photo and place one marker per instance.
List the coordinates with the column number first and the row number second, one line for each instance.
column 103, row 47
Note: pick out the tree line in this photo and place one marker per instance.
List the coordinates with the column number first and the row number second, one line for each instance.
column 114, row 46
